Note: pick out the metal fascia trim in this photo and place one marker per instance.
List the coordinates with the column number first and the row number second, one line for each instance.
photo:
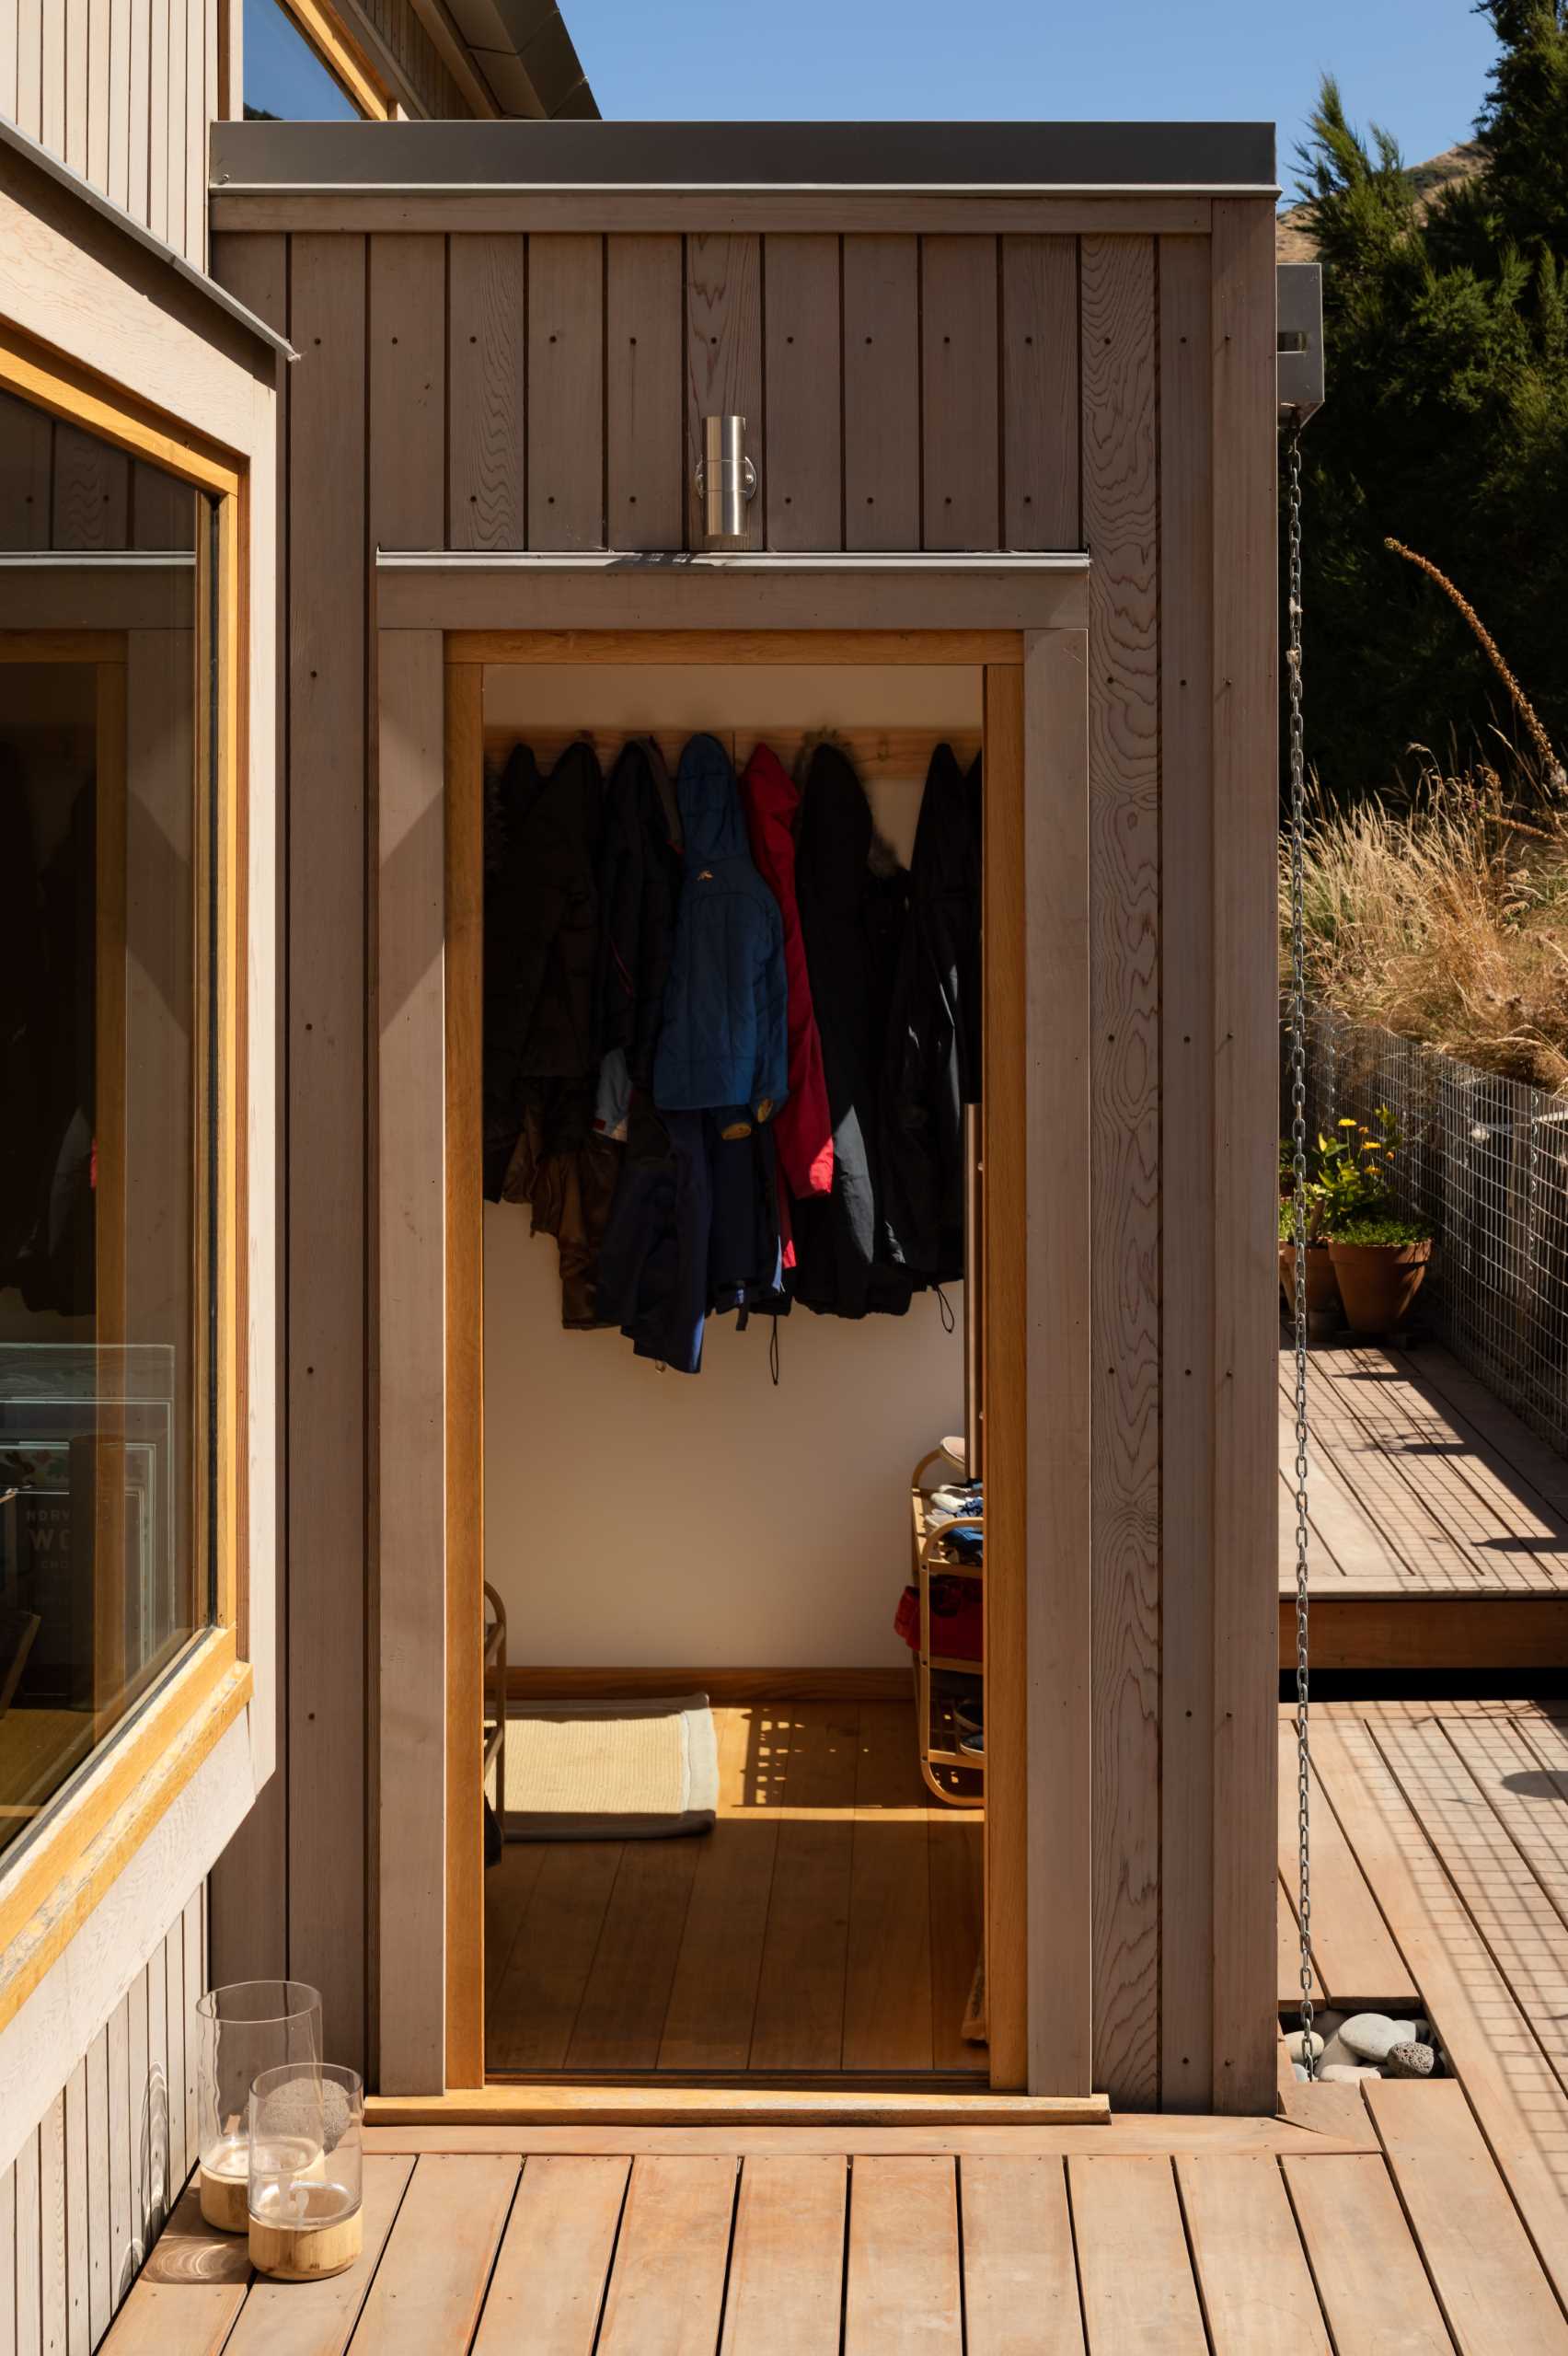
column 977, row 189
column 85, row 193
column 98, row 561
column 1003, row 560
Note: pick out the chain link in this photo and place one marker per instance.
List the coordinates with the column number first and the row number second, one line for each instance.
column 1298, row 1146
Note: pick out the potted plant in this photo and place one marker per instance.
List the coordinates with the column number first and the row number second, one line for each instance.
column 1380, row 1255
column 1321, row 1289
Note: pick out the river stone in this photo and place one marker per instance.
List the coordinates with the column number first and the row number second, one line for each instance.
column 1336, row 2050
column 1410, row 2060
column 1347, row 2073
column 1370, row 2035
column 1300, row 2070
column 1328, row 2019
column 1297, row 2048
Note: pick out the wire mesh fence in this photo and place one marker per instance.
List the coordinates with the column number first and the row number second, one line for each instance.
column 1485, row 1160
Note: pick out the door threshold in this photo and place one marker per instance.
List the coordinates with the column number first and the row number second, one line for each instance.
column 651, row 2104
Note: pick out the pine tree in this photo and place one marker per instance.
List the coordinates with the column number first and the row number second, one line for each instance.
column 1446, row 419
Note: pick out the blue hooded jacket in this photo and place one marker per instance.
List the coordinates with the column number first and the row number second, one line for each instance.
column 724, row 1045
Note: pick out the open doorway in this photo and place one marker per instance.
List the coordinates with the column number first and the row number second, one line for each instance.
column 728, row 1556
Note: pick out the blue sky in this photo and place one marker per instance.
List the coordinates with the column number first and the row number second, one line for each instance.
column 1417, row 66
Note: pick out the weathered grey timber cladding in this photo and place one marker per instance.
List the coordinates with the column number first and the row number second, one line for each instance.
column 1042, row 384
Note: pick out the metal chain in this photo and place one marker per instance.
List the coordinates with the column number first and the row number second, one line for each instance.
column 1298, row 1144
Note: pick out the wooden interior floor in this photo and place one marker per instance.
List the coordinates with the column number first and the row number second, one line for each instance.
column 1427, row 1495
column 1422, row 2217
column 829, row 1922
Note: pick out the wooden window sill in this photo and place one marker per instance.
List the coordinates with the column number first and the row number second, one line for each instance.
column 53, row 1887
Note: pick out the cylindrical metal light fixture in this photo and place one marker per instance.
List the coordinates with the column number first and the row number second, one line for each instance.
column 726, row 478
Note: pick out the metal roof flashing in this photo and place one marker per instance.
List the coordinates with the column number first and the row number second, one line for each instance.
column 1034, row 159
column 17, row 144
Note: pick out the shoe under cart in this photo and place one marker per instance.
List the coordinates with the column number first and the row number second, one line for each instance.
column 945, row 1680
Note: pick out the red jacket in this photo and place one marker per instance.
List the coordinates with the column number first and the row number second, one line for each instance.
column 804, row 1128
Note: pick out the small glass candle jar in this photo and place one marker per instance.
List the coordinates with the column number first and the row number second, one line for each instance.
column 248, row 2026
column 307, row 2170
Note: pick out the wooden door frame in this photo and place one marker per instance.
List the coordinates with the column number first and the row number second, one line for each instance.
column 1027, row 632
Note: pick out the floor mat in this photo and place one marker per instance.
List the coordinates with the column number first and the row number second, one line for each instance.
column 610, row 1770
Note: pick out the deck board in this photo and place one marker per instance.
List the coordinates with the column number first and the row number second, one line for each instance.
column 1369, row 2274
column 1409, row 2216
column 1356, row 1960
column 547, row 2290
column 1252, row 2274
column 786, row 2284
column 666, row 2291
column 902, row 2286
column 1421, row 1483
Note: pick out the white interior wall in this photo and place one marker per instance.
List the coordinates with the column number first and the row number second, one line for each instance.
column 639, row 1519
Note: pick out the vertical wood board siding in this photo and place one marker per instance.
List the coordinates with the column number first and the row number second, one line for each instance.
column 1186, row 1176
column 1121, row 525
column 959, row 460
column 566, row 392
column 1245, row 691
column 1071, row 362
column 1039, row 392
column 329, row 975
column 801, row 393
column 85, row 2194
column 485, row 393
column 644, row 377
column 882, row 392
column 120, row 90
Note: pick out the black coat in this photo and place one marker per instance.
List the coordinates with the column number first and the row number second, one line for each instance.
column 542, row 840
column 639, row 884
column 853, row 900
column 934, row 1030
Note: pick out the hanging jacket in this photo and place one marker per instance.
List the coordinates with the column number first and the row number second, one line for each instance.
column 853, row 896
column 566, row 1174
column 652, row 1275
column 723, row 1047
column 934, row 1031
column 638, row 885
column 746, row 1247
column 804, row 1127
column 541, row 938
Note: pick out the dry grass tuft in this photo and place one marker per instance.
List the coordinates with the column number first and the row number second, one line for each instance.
column 1444, row 917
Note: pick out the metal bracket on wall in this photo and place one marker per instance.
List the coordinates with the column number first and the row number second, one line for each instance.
column 1299, row 339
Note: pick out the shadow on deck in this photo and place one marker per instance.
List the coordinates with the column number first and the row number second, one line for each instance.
column 1439, row 1521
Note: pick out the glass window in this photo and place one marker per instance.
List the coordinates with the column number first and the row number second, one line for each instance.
column 285, row 81
column 107, row 1093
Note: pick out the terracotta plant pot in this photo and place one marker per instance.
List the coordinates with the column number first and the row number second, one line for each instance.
column 1377, row 1282
column 1323, row 1292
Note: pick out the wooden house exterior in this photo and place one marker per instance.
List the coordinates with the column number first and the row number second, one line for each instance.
column 508, row 346
column 1010, row 397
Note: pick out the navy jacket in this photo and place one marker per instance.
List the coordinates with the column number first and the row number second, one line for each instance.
column 653, row 1279
column 724, row 1043
column 933, row 1050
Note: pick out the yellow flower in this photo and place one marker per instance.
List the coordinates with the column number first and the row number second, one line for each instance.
column 1347, row 1123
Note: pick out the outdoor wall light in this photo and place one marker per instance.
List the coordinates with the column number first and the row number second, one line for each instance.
column 726, row 478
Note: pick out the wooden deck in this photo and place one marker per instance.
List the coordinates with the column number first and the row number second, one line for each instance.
column 1439, row 1522
column 1417, row 2217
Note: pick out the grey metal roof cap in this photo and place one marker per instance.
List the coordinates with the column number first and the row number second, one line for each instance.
column 1079, row 156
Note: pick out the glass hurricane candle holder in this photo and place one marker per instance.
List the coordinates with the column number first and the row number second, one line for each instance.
column 248, row 2026
column 307, row 2170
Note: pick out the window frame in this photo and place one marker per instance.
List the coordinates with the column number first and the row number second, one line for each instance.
column 137, row 1770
